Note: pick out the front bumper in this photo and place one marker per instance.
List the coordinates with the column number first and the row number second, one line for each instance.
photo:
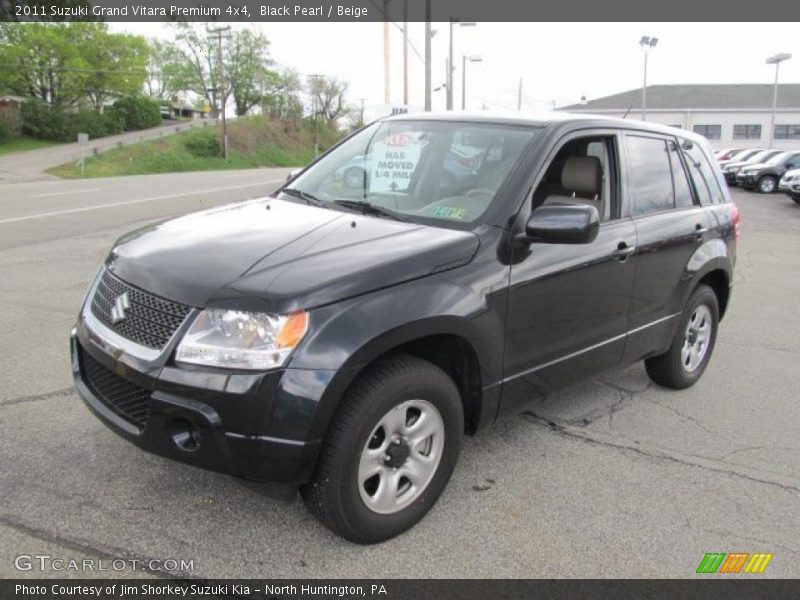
column 730, row 177
column 746, row 180
column 789, row 187
column 213, row 419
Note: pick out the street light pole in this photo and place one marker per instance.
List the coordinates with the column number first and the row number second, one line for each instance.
column 428, row 36
column 646, row 43
column 450, row 70
column 450, row 65
column 464, row 59
column 775, row 60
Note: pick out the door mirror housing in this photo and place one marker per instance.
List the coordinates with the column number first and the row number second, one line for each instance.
column 292, row 174
column 562, row 224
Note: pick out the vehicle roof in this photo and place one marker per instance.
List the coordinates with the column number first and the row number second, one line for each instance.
column 543, row 119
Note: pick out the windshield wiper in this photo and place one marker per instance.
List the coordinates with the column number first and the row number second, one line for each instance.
column 310, row 199
column 367, row 208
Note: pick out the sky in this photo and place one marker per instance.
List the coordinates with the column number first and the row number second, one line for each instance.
column 557, row 62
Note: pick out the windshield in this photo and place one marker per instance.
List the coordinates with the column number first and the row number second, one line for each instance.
column 779, row 158
column 434, row 171
column 743, row 155
column 760, row 157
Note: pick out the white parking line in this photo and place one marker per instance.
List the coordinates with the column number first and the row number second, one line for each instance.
column 139, row 201
column 65, row 193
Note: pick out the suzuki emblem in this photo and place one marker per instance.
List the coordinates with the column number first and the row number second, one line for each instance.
column 121, row 304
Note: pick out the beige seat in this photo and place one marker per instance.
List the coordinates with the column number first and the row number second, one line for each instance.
column 582, row 180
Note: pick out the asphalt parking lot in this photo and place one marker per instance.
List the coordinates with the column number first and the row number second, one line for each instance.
column 609, row 478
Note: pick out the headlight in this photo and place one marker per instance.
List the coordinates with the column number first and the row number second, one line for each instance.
column 732, row 169
column 241, row 340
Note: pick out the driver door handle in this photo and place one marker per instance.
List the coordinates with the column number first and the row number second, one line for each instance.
column 623, row 251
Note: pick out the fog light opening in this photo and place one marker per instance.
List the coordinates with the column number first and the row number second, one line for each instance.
column 185, row 435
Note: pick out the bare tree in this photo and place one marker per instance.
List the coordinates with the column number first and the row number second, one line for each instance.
column 328, row 96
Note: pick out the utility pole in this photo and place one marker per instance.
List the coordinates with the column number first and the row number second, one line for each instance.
column 519, row 95
column 386, row 65
column 219, row 31
column 405, row 52
column 361, row 118
column 314, row 78
column 428, row 36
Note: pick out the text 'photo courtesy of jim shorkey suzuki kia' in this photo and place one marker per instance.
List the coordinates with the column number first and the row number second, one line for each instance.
column 421, row 278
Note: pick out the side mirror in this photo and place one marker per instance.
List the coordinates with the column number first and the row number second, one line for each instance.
column 292, row 174
column 562, row 224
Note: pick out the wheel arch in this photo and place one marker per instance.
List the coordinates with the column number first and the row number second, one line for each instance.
column 445, row 341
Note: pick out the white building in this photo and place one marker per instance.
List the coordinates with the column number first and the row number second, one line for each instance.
column 729, row 115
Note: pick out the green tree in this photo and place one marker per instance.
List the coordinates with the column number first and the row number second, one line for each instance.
column 248, row 76
column 247, row 69
column 44, row 61
column 197, row 53
column 62, row 64
column 167, row 71
column 117, row 65
column 282, row 97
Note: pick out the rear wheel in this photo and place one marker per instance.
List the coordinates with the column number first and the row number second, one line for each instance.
column 390, row 451
column 767, row 184
column 686, row 360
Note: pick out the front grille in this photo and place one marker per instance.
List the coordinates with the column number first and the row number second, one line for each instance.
column 150, row 320
column 128, row 400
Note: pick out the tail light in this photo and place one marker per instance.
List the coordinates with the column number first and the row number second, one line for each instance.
column 735, row 218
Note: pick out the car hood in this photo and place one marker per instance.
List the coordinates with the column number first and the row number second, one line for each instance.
column 276, row 255
column 737, row 163
column 755, row 166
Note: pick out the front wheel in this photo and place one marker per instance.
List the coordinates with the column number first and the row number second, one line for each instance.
column 796, row 198
column 686, row 360
column 390, row 451
column 767, row 184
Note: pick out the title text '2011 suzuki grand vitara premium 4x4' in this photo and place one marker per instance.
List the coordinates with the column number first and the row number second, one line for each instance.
column 342, row 334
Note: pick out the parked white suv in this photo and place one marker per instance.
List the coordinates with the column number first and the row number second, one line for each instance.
column 790, row 184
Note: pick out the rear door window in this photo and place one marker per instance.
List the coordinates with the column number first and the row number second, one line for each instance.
column 650, row 175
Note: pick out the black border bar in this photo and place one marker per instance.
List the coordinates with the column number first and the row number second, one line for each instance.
column 701, row 588
column 396, row 10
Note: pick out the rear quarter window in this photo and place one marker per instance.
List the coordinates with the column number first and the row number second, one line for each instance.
column 702, row 175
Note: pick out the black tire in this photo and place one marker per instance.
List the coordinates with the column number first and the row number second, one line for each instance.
column 334, row 496
column 767, row 184
column 668, row 369
column 796, row 198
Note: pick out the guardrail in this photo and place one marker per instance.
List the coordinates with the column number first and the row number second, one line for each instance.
column 98, row 146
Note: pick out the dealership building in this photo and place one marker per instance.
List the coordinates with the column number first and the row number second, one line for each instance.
column 729, row 115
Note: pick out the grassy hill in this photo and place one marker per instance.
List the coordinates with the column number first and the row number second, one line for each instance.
column 252, row 142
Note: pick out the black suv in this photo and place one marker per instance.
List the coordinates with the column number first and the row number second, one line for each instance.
column 341, row 335
column 765, row 176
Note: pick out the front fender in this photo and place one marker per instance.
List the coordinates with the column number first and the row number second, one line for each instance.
column 348, row 336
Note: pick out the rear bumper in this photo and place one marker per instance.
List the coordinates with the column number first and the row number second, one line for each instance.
column 182, row 423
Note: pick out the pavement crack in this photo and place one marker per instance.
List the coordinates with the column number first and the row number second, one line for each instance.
column 38, row 397
column 578, row 434
column 684, row 417
column 91, row 547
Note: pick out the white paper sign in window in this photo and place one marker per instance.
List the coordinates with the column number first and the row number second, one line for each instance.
column 392, row 162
